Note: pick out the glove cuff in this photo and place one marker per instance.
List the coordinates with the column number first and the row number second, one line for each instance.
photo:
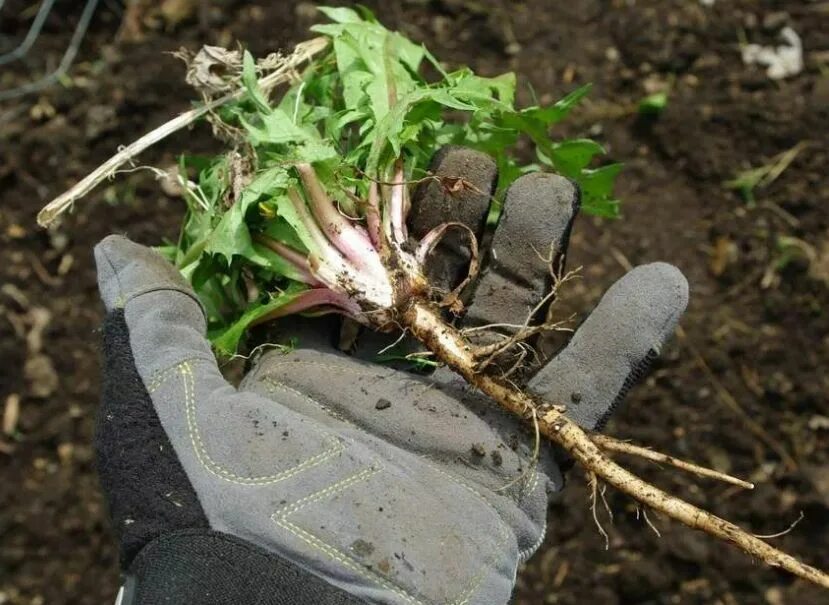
column 206, row 567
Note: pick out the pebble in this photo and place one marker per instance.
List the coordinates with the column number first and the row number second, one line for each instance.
column 41, row 375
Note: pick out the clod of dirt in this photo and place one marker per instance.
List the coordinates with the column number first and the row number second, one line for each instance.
column 100, row 119
column 723, row 254
column 41, row 376
column 361, row 548
column 38, row 318
column 65, row 453
column 143, row 16
column 497, row 459
column 306, row 11
column 478, row 450
column 382, row 404
column 818, row 422
column 15, row 231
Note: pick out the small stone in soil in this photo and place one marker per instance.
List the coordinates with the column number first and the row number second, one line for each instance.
column 382, row 404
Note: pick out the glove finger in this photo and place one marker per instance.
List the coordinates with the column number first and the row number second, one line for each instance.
column 531, row 239
column 164, row 319
column 434, row 204
column 152, row 318
column 615, row 345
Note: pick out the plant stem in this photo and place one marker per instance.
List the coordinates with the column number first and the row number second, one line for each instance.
column 328, row 254
column 355, row 245
column 425, row 323
column 298, row 260
column 311, row 299
column 373, row 215
column 397, row 204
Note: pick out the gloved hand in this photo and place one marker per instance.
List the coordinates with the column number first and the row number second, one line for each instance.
column 325, row 478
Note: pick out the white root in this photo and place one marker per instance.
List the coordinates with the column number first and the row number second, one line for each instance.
column 449, row 346
column 610, row 444
column 593, row 482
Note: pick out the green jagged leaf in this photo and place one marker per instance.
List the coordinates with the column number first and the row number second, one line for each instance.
column 466, row 85
column 339, row 15
column 226, row 340
column 561, row 108
column 251, row 83
column 597, row 189
column 354, row 110
column 276, row 127
column 231, row 236
column 286, row 210
column 375, row 65
column 599, row 182
column 571, row 157
column 169, row 252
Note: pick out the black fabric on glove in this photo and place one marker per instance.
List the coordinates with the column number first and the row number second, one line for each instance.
column 638, row 372
column 200, row 567
column 147, row 489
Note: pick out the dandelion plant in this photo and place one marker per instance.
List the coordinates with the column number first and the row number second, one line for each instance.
column 306, row 211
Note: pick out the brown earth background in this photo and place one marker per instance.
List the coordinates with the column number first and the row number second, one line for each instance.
column 744, row 391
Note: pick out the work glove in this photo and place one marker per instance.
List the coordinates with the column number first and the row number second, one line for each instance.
column 328, row 478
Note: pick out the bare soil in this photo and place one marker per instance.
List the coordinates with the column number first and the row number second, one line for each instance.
column 759, row 273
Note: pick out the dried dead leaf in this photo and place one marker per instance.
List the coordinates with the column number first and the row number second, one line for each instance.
column 213, row 70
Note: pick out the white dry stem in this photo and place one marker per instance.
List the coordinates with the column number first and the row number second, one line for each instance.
column 302, row 53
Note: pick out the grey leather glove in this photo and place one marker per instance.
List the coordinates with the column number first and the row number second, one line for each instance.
column 332, row 479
